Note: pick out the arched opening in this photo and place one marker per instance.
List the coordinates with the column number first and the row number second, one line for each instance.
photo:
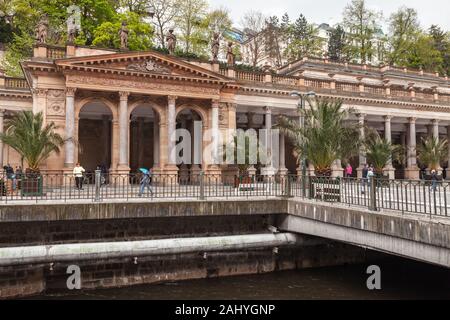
column 191, row 121
column 95, row 136
column 144, row 138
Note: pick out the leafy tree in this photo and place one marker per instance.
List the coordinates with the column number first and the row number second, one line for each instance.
column 253, row 23
column 361, row 24
column 336, row 44
column 423, row 54
column 441, row 42
column 325, row 137
column 304, row 40
column 139, row 37
column 17, row 51
column 165, row 12
column 404, row 31
column 31, row 138
column 190, row 22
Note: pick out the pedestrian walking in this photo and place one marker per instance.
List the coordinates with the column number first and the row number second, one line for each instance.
column 364, row 172
column 434, row 180
column 145, row 181
column 78, row 173
column 348, row 171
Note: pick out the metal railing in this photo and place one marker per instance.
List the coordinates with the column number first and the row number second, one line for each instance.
column 414, row 196
column 100, row 186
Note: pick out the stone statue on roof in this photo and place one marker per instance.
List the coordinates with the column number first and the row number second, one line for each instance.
column 171, row 42
column 230, row 55
column 123, row 34
column 42, row 30
column 215, row 46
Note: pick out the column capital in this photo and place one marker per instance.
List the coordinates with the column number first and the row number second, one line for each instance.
column 172, row 99
column 435, row 121
column 361, row 115
column 412, row 120
column 70, row 92
column 215, row 103
column 388, row 117
column 123, row 95
column 2, row 113
column 268, row 110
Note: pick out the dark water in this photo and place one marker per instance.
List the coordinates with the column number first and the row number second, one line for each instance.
column 400, row 279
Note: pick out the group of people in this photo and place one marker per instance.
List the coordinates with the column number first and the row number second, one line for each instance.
column 13, row 175
column 79, row 175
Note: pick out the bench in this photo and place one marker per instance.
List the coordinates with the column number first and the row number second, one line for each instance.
column 254, row 186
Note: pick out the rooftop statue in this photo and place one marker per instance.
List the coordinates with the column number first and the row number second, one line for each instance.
column 123, row 34
column 230, row 55
column 171, row 42
column 42, row 30
column 215, row 47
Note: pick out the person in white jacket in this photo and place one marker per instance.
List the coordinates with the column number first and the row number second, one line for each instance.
column 78, row 172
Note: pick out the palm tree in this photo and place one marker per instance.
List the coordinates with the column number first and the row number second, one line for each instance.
column 432, row 151
column 35, row 142
column 325, row 136
column 379, row 151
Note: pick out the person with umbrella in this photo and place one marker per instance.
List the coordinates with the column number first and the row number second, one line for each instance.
column 145, row 181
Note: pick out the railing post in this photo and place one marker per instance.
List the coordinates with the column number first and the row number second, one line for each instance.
column 98, row 179
column 202, row 185
column 287, row 188
column 373, row 195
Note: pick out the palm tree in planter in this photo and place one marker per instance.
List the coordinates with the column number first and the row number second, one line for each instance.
column 241, row 147
column 35, row 142
column 432, row 151
column 379, row 152
column 325, row 136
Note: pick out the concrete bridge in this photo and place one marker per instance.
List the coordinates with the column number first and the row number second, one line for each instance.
column 257, row 235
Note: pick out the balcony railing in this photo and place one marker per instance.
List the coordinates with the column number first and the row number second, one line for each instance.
column 56, row 52
column 15, row 83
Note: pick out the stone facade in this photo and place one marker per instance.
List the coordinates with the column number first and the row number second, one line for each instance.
column 130, row 94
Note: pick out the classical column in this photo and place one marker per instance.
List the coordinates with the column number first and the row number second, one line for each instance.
column 251, row 170
column 215, row 131
column 362, row 155
column 123, row 131
column 282, row 171
column 435, row 125
column 435, row 132
column 106, row 139
column 268, row 170
column 155, row 142
column 389, row 169
column 2, row 117
column 69, row 128
column 171, row 135
column 412, row 172
column 448, row 165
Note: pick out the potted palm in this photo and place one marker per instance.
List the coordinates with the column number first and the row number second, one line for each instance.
column 325, row 137
column 380, row 152
column 432, row 151
column 35, row 142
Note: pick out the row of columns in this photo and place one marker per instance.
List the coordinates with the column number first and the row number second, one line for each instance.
column 123, row 124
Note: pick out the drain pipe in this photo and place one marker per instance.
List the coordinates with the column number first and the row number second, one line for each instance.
column 107, row 250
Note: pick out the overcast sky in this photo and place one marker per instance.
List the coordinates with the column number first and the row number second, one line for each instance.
column 330, row 11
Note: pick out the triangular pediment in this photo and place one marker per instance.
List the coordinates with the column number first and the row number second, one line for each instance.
column 141, row 62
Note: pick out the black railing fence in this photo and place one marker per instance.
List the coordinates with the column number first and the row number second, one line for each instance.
column 424, row 197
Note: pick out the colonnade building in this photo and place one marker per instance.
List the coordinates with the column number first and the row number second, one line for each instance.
column 119, row 108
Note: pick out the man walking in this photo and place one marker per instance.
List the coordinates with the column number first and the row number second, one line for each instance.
column 434, row 180
column 364, row 172
column 145, row 182
column 78, row 172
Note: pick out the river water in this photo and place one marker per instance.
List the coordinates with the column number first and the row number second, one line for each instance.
column 400, row 279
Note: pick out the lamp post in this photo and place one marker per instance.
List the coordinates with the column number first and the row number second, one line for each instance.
column 301, row 105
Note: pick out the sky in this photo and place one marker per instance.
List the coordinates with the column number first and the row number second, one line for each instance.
column 330, row 11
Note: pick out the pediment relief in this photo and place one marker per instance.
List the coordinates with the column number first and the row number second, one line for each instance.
column 150, row 62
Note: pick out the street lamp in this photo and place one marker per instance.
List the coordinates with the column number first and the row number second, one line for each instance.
column 301, row 105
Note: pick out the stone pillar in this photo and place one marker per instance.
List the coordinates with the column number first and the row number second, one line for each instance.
column 69, row 129
column 389, row 169
column 106, row 138
column 435, row 132
column 362, row 155
column 155, row 142
column 282, row 171
column 171, row 167
column 123, row 132
column 336, row 169
column 215, row 131
column 448, row 165
column 268, row 170
column 412, row 172
column 2, row 117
